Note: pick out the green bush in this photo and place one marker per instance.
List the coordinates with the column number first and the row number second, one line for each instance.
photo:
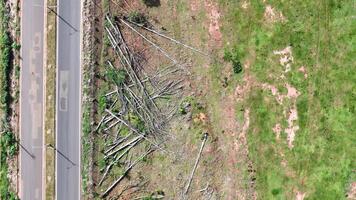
column 137, row 123
column 137, row 17
column 234, row 58
column 117, row 77
column 16, row 46
column 5, row 55
column 8, row 144
column 8, row 148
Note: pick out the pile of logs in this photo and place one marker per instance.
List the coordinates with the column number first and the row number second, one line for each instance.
column 140, row 105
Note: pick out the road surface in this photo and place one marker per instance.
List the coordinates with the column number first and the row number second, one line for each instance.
column 31, row 99
column 68, row 100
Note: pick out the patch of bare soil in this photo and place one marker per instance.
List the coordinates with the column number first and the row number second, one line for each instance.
column 230, row 128
column 194, row 5
column 291, row 113
column 214, row 24
column 245, row 5
column 277, row 130
column 279, row 98
column 233, row 146
column 242, row 90
column 303, row 70
column 291, row 129
column 352, row 191
column 300, row 196
column 271, row 15
column 286, row 58
column 236, row 141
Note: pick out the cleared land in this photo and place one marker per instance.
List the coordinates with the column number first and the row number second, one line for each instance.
column 282, row 128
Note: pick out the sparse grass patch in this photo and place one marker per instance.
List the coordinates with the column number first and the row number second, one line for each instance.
column 50, row 103
column 322, row 38
column 137, row 17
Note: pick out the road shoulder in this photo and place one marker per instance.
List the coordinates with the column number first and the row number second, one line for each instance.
column 50, row 93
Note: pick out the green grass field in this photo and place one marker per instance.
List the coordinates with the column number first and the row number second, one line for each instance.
column 322, row 35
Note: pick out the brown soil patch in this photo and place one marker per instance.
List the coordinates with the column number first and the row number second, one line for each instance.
column 246, row 123
column 214, row 25
column 300, row 195
column 194, row 5
column 277, row 130
column 286, row 58
column 292, row 92
column 232, row 150
column 292, row 116
column 201, row 117
column 233, row 142
column 242, row 90
column 245, row 5
column 271, row 15
column 274, row 91
column 352, row 192
column 303, row 70
column 238, row 151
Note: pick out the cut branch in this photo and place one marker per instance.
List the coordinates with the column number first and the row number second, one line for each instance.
column 205, row 137
column 126, row 172
column 166, row 37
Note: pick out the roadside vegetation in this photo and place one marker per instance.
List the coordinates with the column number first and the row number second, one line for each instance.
column 50, row 103
column 321, row 162
column 91, row 90
column 8, row 143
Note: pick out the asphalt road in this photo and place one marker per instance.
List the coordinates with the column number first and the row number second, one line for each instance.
column 68, row 100
column 31, row 99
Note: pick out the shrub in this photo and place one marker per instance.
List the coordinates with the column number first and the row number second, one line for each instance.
column 5, row 46
column 234, row 58
column 137, row 17
column 152, row 3
column 8, row 143
column 137, row 123
column 117, row 77
column 102, row 105
column 237, row 66
column 16, row 46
